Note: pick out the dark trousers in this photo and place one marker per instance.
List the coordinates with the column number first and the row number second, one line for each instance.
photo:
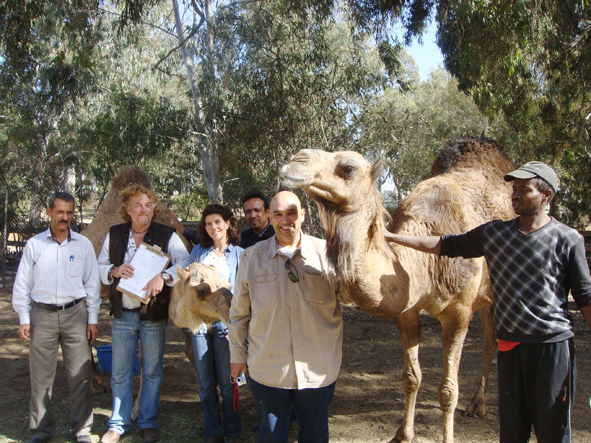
column 276, row 407
column 537, row 388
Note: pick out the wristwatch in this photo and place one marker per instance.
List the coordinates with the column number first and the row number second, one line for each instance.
column 166, row 277
column 110, row 274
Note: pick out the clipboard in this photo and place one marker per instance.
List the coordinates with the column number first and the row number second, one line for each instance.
column 147, row 262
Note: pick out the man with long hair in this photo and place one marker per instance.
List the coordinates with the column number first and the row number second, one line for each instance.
column 132, row 320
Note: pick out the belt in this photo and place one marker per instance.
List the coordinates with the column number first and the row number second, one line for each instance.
column 58, row 307
column 138, row 309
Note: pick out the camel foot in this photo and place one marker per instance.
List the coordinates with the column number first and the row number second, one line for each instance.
column 97, row 385
column 475, row 408
column 401, row 438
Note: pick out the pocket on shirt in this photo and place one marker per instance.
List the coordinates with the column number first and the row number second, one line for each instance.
column 267, row 290
column 75, row 268
column 317, row 288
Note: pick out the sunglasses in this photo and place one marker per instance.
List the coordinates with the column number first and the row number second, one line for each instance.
column 292, row 274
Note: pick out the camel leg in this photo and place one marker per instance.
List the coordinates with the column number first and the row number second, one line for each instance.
column 489, row 347
column 135, row 412
column 410, row 331
column 96, row 382
column 189, row 349
column 454, row 322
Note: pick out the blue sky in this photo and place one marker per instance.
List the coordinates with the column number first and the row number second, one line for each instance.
column 427, row 55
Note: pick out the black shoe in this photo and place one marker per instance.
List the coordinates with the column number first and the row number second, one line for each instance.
column 39, row 440
column 150, row 435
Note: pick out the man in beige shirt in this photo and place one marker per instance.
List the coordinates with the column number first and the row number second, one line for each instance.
column 285, row 306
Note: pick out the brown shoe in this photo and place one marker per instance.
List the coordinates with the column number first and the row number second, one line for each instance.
column 214, row 439
column 150, row 435
column 110, row 437
column 232, row 439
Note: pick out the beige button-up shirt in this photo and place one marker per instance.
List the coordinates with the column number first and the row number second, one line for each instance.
column 294, row 330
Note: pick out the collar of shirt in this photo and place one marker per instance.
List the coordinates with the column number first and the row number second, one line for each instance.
column 305, row 248
column 50, row 235
column 260, row 234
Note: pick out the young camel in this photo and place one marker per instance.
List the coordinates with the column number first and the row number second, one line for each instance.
column 464, row 189
column 199, row 296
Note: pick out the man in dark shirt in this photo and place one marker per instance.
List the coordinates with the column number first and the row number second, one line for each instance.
column 256, row 213
column 534, row 263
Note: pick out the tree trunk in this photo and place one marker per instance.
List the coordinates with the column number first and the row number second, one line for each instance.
column 208, row 147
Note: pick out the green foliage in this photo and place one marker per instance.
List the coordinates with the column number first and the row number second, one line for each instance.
column 50, row 43
column 530, row 62
column 126, row 113
column 285, row 80
column 407, row 128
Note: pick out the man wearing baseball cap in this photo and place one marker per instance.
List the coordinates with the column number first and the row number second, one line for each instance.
column 534, row 262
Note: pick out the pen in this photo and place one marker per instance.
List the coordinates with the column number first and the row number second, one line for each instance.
column 71, row 258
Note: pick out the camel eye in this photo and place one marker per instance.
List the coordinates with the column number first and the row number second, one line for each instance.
column 347, row 170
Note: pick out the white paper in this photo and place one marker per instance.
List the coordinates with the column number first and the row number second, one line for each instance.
column 146, row 264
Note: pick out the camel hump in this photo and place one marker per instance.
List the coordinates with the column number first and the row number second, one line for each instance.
column 460, row 153
column 131, row 175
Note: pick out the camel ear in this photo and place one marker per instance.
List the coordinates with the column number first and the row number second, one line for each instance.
column 377, row 169
column 180, row 272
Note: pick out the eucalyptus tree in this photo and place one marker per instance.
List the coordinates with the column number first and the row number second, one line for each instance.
column 113, row 111
column 531, row 62
column 266, row 79
column 45, row 64
column 299, row 80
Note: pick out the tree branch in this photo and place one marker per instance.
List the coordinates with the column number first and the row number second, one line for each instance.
column 181, row 44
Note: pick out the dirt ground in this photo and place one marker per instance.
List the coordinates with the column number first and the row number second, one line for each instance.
column 367, row 406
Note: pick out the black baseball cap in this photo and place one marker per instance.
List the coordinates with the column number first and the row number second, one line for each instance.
column 535, row 169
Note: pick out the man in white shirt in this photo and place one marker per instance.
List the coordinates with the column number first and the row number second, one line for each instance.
column 285, row 305
column 133, row 320
column 58, row 270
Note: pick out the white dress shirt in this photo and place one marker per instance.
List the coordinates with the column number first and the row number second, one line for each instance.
column 57, row 274
column 176, row 250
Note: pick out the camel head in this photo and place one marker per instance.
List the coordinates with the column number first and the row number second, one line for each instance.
column 342, row 184
column 336, row 180
column 199, row 296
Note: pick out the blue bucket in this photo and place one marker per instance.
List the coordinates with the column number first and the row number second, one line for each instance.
column 104, row 356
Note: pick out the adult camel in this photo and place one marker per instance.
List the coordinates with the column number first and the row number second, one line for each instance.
column 464, row 189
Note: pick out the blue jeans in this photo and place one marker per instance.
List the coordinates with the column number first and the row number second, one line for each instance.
column 277, row 405
column 125, row 333
column 212, row 361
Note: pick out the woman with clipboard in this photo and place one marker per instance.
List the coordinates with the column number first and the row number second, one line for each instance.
column 218, row 247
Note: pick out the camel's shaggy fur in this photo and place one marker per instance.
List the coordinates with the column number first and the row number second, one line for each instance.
column 464, row 189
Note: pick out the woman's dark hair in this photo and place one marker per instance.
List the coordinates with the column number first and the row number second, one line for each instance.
column 228, row 216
